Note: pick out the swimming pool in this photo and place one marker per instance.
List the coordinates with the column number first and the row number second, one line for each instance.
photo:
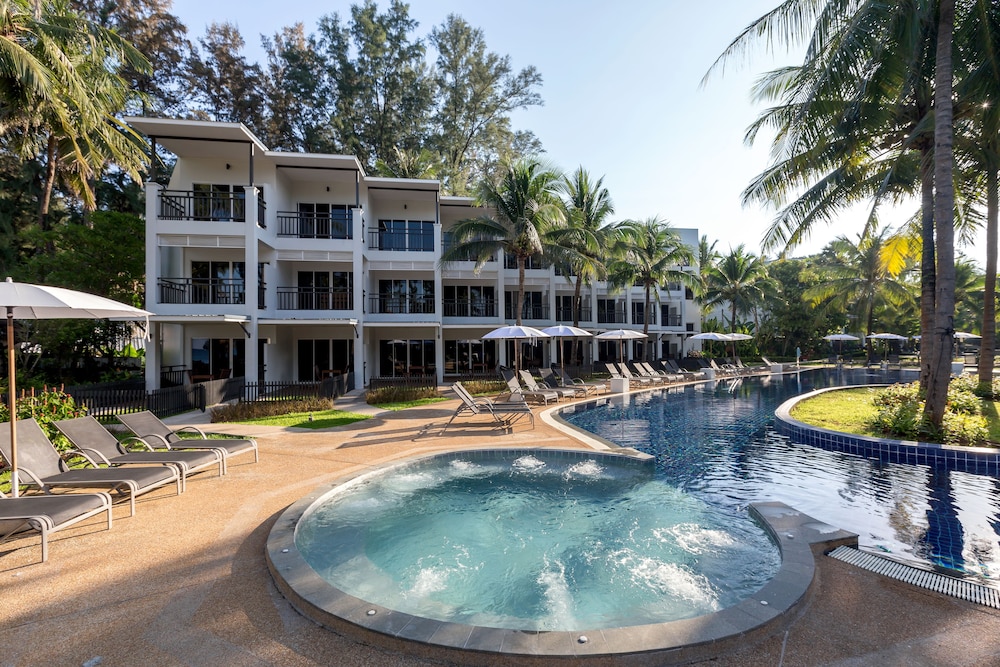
column 715, row 441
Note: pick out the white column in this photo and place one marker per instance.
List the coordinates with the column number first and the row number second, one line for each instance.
column 251, row 365
column 153, row 352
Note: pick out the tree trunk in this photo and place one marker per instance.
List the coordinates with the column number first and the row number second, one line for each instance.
column 927, row 265
column 520, row 290
column 577, row 307
column 645, row 327
column 47, row 187
column 944, row 202
column 989, row 290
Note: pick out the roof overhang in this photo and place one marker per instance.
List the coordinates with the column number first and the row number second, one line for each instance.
column 200, row 319
column 198, row 138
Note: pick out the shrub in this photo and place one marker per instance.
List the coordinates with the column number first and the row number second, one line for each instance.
column 399, row 394
column 243, row 411
column 46, row 407
column 899, row 413
column 482, row 387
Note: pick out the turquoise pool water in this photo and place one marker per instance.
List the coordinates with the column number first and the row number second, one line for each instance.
column 539, row 541
column 715, row 443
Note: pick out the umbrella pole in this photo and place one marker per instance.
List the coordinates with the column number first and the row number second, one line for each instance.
column 11, row 401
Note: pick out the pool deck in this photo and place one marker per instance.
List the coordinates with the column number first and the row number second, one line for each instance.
column 185, row 581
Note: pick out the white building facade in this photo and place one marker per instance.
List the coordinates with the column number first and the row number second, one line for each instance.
column 283, row 266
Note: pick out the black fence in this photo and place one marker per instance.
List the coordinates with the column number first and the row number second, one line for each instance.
column 378, row 382
column 107, row 400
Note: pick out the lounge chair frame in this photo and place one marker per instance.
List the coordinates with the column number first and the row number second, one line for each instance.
column 42, row 514
column 152, row 430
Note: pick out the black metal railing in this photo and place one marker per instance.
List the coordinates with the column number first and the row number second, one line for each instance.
column 333, row 225
column 411, row 240
column 466, row 256
column 401, row 304
column 207, row 206
column 331, row 387
column 510, row 262
column 640, row 318
column 610, row 316
column 314, row 298
column 224, row 291
column 672, row 320
column 379, row 381
column 528, row 312
column 566, row 314
column 467, row 308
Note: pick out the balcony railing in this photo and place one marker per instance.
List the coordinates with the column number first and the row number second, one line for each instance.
column 208, row 206
column 332, row 225
column 314, row 298
column 528, row 312
column 672, row 320
column 414, row 240
column 202, row 290
column 466, row 256
column 566, row 314
column 610, row 316
column 510, row 262
column 466, row 308
column 401, row 304
column 638, row 318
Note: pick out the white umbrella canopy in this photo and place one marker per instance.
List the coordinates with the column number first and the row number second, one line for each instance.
column 518, row 332
column 886, row 336
column 962, row 335
column 840, row 337
column 25, row 301
column 711, row 335
column 565, row 331
column 621, row 335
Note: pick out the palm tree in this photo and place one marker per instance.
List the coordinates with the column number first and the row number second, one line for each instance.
column 650, row 253
column 59, row 92
column 861, row 277
column 523, row 208
column 738, row 279
column 944, row 226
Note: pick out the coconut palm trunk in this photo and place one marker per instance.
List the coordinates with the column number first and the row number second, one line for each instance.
column 944, row 203
column 989, row 289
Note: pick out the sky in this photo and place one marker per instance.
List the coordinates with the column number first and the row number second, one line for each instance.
column 623, row 93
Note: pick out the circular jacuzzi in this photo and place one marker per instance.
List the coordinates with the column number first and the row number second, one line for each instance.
column 531, row 552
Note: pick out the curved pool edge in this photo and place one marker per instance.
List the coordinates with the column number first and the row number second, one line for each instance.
column 976, row 460
column 798, row 536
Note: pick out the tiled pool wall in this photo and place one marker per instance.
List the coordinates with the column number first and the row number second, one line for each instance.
column 976, row 460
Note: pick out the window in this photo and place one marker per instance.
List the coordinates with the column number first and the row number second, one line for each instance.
column 405, row 296
column 534, row 306
column 322, row 358
column 215, row 358
column 218, row 282
column 401, row 358
column 470, row 356
column 609, row 312
column 219, row 202
column 414, row 235
column 469, row 301
column 324, row 221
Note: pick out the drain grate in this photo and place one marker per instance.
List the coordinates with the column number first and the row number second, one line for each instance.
column 959, row 588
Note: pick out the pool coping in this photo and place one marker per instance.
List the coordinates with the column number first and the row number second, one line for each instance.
column 976, row 460
column 799, row 537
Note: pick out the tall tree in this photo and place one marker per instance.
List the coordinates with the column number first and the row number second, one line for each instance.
column 944, row 226
column 738, row 279
column 477, row 90
column 224, row 85
column 299, row 93
column 523, row 206
column 650, row 254
column 384, row 92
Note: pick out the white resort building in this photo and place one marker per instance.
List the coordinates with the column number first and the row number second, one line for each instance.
column 280, row 266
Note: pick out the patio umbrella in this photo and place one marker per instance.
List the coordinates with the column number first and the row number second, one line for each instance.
column 712, row 335
column 516, row 332
column 25, row 301
column 840, row 338
column 561, row 331
column 621, row 335
column 886, row 337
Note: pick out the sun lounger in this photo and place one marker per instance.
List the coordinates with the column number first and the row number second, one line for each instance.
column 542, row 397
column 101, row 447
column 552, row 382
column 623, row 369
column 148, row 426
column 593, row 387
column 502, row 413
column 39, row 465
column 672, row 366
column 528, row 381
column 50, row 513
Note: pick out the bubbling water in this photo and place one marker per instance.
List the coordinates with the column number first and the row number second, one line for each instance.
column 534, row 542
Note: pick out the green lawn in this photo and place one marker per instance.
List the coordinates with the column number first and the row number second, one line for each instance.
column 848, row 410
column 402, row 405
column 322, row 419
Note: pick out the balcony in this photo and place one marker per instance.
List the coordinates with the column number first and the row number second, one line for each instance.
column 314, row 298
column 466, row 308
column 406, row 240
column 610, row 316
column 566, row 314
column 531, row 263
column 528, row 312
column 332, row 225
column 400, row 305
column 208, row 206
column 637, row 318
column 222, row 291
